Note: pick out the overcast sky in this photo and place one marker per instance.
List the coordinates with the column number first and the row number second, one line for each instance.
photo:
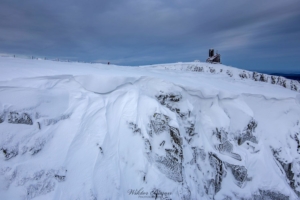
column 250, row 34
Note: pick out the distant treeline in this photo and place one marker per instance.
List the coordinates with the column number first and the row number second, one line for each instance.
column 289, row 76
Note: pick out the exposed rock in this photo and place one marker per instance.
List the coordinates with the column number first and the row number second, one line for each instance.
column 226, row 149
column 247, row 134
column 217, row 164
column 221, row 135
column 171, row 164
column 291, row 170
column 168, row 100
column 239, row 173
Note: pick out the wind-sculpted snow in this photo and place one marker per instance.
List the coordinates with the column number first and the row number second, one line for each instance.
column 152, row 133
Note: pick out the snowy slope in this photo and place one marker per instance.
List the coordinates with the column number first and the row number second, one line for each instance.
column 171, row 131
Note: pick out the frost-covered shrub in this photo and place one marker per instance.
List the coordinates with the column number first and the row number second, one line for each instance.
column 212, row 70
column 10, row 152
column 198, row 69
column 2, row 117
column 38, row 175
column 273, row 79
column 255, row 76
column 243, row 75
column 263, row 78
column 294, row 86
column 40, row 188
column 229, row 73
column 134, row 127
column 281, row 81
column 195, row 68
column 17, row 118
column 38, row 146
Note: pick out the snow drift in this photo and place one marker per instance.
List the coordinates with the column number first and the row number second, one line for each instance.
column 172, row 131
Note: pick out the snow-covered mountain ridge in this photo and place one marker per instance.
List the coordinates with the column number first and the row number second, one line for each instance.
column 232, row 72
column 94, row 131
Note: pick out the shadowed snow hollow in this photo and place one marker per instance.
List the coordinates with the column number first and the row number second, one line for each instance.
column 92, row 131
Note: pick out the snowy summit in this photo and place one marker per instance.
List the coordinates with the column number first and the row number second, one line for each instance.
column 171, row 131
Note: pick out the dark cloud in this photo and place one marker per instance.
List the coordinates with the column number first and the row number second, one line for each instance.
column 248, row 34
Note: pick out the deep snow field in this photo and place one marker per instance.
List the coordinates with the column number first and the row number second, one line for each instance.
column 172, row 131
